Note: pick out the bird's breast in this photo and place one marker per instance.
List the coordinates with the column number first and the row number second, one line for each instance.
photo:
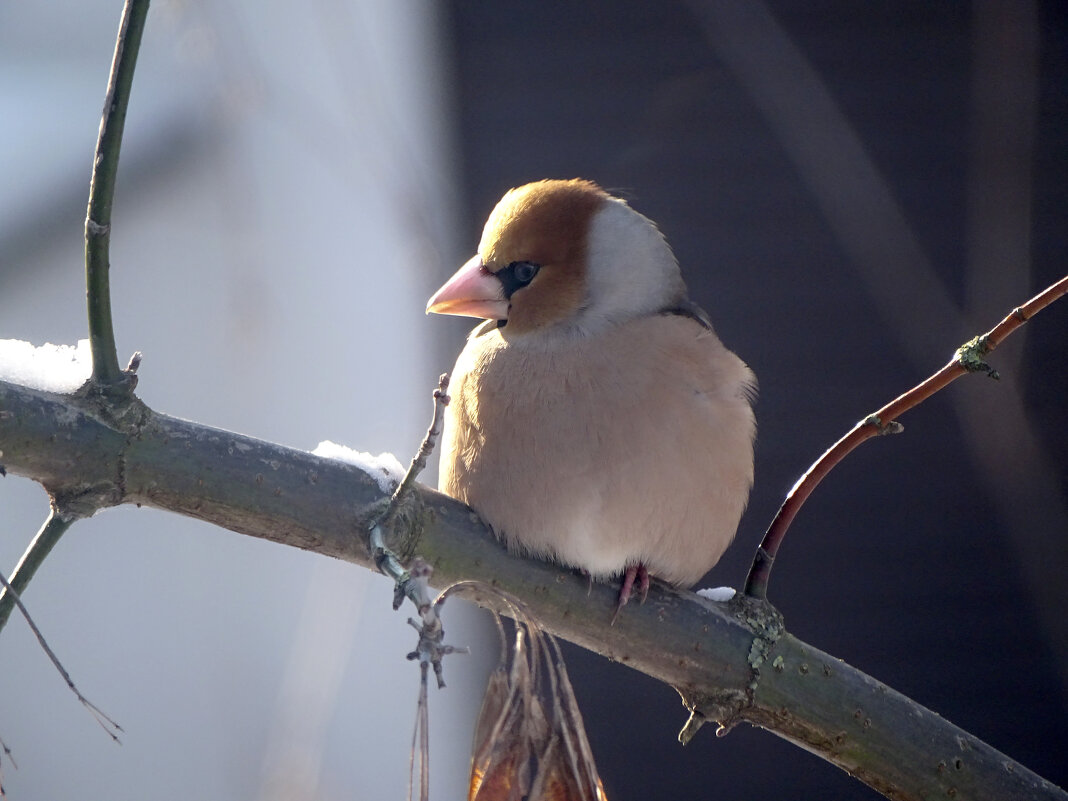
column 634, row 445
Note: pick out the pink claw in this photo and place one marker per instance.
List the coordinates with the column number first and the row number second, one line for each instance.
column 633, row 572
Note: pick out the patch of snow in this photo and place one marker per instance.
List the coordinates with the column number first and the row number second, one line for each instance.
column 718, row 594
column 51, row 368
column 385, row 468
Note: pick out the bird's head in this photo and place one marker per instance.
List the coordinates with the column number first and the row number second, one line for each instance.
column 563, row 254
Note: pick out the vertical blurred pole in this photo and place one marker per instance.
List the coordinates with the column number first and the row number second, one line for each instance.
column 1004, row 97
column 1020, row 475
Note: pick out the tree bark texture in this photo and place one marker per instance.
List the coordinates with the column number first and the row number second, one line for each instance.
column 731, row 662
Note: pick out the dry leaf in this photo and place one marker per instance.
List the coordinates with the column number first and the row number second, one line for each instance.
column 530, row 742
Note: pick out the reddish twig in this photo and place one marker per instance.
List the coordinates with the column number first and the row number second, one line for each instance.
column 968, row 359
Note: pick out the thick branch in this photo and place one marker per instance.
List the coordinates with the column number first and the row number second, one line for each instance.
column 730, row 662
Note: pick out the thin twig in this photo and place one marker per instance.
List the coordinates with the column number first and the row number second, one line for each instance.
column 387, row 561
column 969, row 358
column 54, row 528
column 414, row 584
column 106, row 723
column 418, row 464
column 6, row 753
column 102, row 191
column 429, row 652
column 420, row 758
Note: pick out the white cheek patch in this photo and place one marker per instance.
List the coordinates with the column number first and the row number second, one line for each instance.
column 631, row 270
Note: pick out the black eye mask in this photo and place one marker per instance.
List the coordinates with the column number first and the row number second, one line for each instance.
column 516, row 276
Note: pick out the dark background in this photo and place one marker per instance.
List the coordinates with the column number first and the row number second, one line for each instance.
column 853, row 190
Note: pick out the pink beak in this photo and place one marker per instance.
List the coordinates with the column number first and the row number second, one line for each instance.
column 473, row 291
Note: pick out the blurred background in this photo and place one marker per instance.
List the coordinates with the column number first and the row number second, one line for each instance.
column 853, row 190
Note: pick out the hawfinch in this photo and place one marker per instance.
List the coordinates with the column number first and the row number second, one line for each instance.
column 596, row 419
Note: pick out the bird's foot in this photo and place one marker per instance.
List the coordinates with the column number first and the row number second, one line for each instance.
column 632, row 573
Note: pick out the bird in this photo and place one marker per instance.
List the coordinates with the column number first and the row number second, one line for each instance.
column 596, row 420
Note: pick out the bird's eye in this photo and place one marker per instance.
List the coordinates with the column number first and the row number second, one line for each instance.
column 525, row 272
column 517, row 275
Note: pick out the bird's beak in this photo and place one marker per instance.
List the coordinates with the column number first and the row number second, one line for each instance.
column 473, row 291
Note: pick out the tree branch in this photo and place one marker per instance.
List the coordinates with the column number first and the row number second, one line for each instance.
column 968, row 359
column 106, row 373
column 54, row 528
column 730, row 662
column 106, row 370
